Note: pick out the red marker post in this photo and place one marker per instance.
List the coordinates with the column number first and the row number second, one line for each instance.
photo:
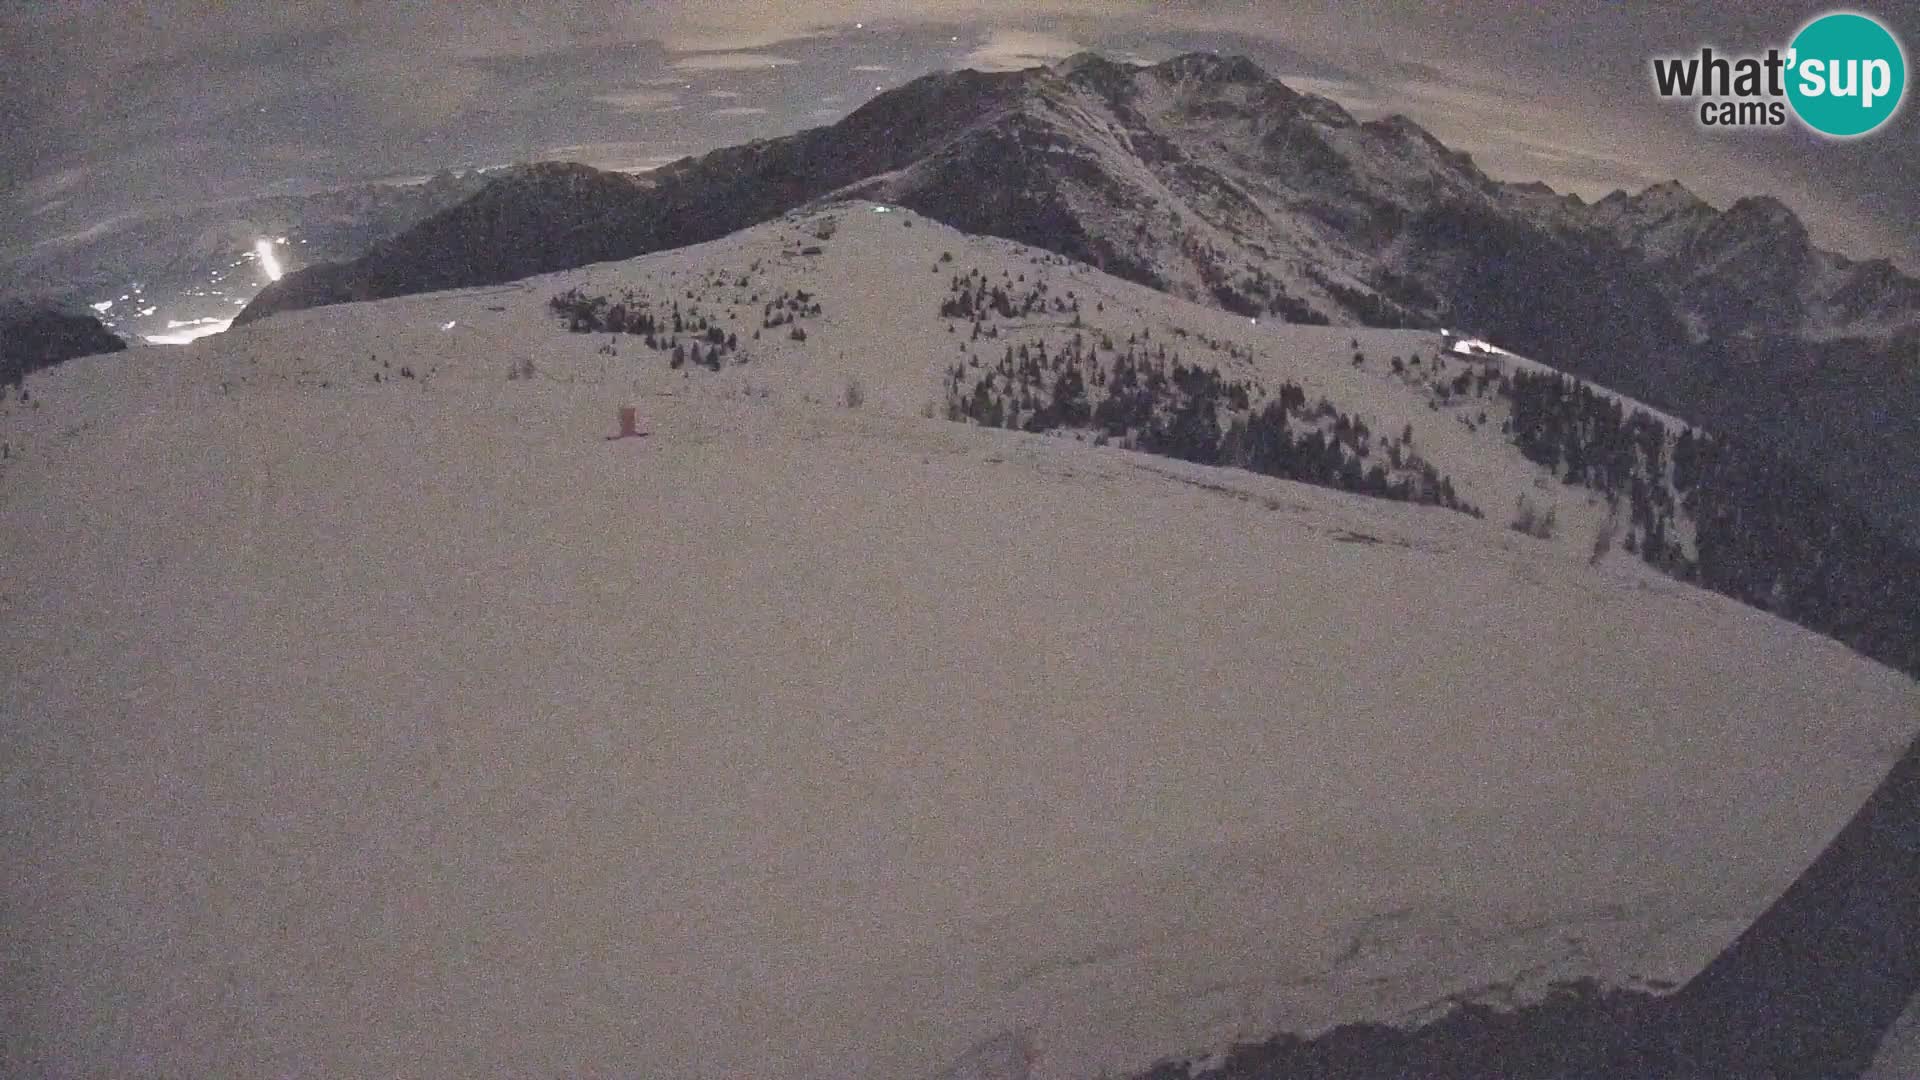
column 629, row 420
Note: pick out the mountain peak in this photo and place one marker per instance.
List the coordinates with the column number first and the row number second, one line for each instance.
column 1667, row 189
column 1765, row 222
column 1089, row 60
column 1669, row 195
column 1764, row 209
column 1403, row 126
column 1109, row 77
column 1661, row 218
column 1211, row 68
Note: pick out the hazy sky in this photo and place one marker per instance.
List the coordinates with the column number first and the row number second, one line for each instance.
column 110, row 109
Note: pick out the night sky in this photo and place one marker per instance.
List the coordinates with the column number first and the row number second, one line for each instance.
column 113, row 110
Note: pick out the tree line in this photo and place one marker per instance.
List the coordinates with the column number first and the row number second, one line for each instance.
column 1156, row 402
column 1766, row 532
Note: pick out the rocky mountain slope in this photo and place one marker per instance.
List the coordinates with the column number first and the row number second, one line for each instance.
column 1203, row 177
column 375, row 711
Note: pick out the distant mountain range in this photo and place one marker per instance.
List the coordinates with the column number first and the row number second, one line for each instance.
column 1203, row 177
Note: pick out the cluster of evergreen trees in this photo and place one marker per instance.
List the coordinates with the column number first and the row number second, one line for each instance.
column 1157, row 403
column 1258, row 292
column 1766, row 533
column 789, row 308
column 1590, row 439
column 686, row 337
column 971, row 296
column 1372, row 309
column 601, row 315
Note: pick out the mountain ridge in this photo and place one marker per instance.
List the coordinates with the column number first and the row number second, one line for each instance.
column 1203, row 177
column 1297, row 131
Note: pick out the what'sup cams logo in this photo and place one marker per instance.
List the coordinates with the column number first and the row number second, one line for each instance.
column 1843, row 75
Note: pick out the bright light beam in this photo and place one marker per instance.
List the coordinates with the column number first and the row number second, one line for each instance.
column 264, row 249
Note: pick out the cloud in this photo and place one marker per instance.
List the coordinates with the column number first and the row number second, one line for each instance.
column 716, row 38
column 872, row 67
column 1014, row 50
column 46, row 187
column 91, row 232
column 740, row 110
column 738, row 61
column 724, row 95
column 299, row 154
column 612, row 156
column 638, row 101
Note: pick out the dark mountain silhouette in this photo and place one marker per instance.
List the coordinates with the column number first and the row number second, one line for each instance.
column 32, row 338
column 554, row 216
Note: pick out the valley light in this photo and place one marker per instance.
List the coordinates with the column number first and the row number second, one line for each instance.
column 104, row 305
column 264, row 249
column 449, row 324
column 196, row 328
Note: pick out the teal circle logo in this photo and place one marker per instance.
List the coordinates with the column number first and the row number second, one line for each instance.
column 1847, row 74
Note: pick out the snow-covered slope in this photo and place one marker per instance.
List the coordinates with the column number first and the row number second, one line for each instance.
column 368, row 711
column 880, row 277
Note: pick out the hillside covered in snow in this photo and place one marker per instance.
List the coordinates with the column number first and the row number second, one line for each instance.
column 372, row 710
column 1205, row 177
